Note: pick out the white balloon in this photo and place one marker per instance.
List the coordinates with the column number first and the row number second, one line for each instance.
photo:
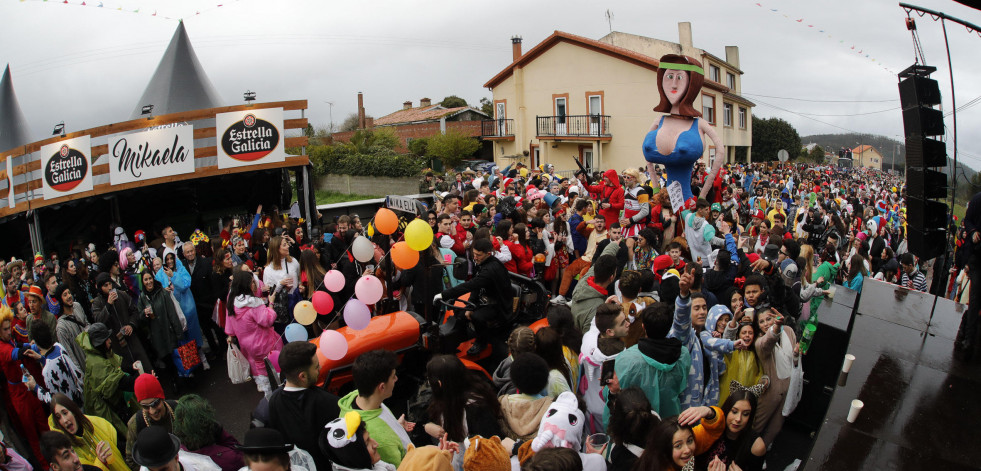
column 362, row 249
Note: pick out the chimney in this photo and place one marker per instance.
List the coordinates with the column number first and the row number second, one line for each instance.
column 360, row 110
column 406, row 105
column 515, row 48
column 684, row 35
column 369, row 122
column 425, row 102
column 732, row 55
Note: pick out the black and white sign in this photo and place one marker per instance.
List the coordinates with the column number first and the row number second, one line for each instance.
column 66, row 167
column 250, row 137
column 151, row 154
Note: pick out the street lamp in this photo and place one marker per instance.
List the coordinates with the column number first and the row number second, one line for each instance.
column 59, row 129
column 249, row 96
column 147, row 111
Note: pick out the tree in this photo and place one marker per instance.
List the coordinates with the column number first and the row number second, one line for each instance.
column 817, row 155
column 770, row 135
column 369, row 141
column 453, row 101
column 350, row 123
column 451, row 147
column 418, row 146
column 487, row 107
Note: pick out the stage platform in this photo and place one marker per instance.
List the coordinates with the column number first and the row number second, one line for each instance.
column 921, row 404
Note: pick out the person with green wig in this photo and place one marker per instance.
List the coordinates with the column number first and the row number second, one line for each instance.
column 195, row 425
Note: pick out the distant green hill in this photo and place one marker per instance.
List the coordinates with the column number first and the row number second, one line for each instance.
column 888, row 147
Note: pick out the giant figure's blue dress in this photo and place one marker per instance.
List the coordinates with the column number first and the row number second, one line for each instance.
column 679, row 163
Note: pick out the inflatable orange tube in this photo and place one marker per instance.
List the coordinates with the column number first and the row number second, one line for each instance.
column 396, row 331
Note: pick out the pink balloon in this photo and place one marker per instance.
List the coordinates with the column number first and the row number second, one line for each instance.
column 334, row 281
column 368, row 289
column 322, row 302
column 333, row 345
column 356, row 314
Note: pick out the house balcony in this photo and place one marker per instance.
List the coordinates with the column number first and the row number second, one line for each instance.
column 497, row 129
column 592, row 127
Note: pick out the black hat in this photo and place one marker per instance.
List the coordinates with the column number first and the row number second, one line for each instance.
column 266, row 441
column 771, row 253
column 98, row 334
column 155, row 447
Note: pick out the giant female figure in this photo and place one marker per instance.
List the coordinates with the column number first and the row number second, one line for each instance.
column 676, row 140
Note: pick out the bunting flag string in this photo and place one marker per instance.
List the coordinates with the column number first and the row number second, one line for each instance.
column 825, row 33
column 119, row 7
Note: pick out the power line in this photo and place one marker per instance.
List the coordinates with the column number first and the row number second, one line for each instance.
column 822, row 101
column 852, row 114
column 808, row 117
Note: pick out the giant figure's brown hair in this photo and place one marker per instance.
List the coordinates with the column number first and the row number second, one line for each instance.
column 695, row 80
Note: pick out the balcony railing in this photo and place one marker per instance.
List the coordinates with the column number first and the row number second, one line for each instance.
column 592, row 125
column 497, row 128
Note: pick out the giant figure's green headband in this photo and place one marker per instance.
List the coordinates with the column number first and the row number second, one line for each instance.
column 688, row 67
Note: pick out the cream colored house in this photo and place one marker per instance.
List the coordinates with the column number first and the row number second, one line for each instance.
column 866, row 156
column 571, row 96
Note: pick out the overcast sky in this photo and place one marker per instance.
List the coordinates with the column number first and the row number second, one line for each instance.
column 88, row 66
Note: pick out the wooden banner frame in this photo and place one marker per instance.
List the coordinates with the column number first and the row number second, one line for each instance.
column 34, row 184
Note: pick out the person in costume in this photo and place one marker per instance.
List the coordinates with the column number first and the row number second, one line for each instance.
column 676, row 141
column 92, row 437
column 347, row 443
column 23, row 408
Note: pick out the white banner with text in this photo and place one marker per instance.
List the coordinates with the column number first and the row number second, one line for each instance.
column 160, row 152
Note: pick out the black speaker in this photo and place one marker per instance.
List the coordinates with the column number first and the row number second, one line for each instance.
column 923, row 121
column 925, row 183
column 925, row 214
column 925, row 152
column 926, row 244
column 918, row 90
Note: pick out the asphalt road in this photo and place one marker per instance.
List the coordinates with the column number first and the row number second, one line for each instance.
column 233, row 403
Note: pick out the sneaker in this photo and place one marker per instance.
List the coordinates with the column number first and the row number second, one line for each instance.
column 559, row 300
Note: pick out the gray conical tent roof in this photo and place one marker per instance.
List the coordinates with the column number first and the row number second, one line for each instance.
column 13, row 125
column 179, row 83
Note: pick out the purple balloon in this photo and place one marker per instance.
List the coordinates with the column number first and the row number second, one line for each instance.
column 333, row 345
column 368, row 289
column 334, row 281
column 356, row 314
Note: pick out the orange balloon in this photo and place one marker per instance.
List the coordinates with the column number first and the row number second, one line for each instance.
column 386, row 221
column 403, row 256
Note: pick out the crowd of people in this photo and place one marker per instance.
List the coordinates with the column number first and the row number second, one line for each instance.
column 670, row 341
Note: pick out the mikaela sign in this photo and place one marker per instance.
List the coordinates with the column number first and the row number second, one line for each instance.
column 156, row 153
column 250, row 137
column 66, row 167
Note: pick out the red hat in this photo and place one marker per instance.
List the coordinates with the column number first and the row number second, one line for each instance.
column 147, row 387
column 758, row 214
column 35, row 290
column 753, row 257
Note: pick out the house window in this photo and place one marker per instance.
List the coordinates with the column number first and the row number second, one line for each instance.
column 731, row 81
column 560, row 110
column 742, row 118
column 594, row 101
column 714, row 73
column 727, row 115
column 708, row 108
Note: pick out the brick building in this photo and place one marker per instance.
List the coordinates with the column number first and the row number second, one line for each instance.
column 425, row 120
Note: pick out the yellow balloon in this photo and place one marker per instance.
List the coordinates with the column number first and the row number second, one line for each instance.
column 304, row 313
column 419, row 235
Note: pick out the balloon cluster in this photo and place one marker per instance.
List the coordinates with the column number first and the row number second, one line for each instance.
column 367, row 290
